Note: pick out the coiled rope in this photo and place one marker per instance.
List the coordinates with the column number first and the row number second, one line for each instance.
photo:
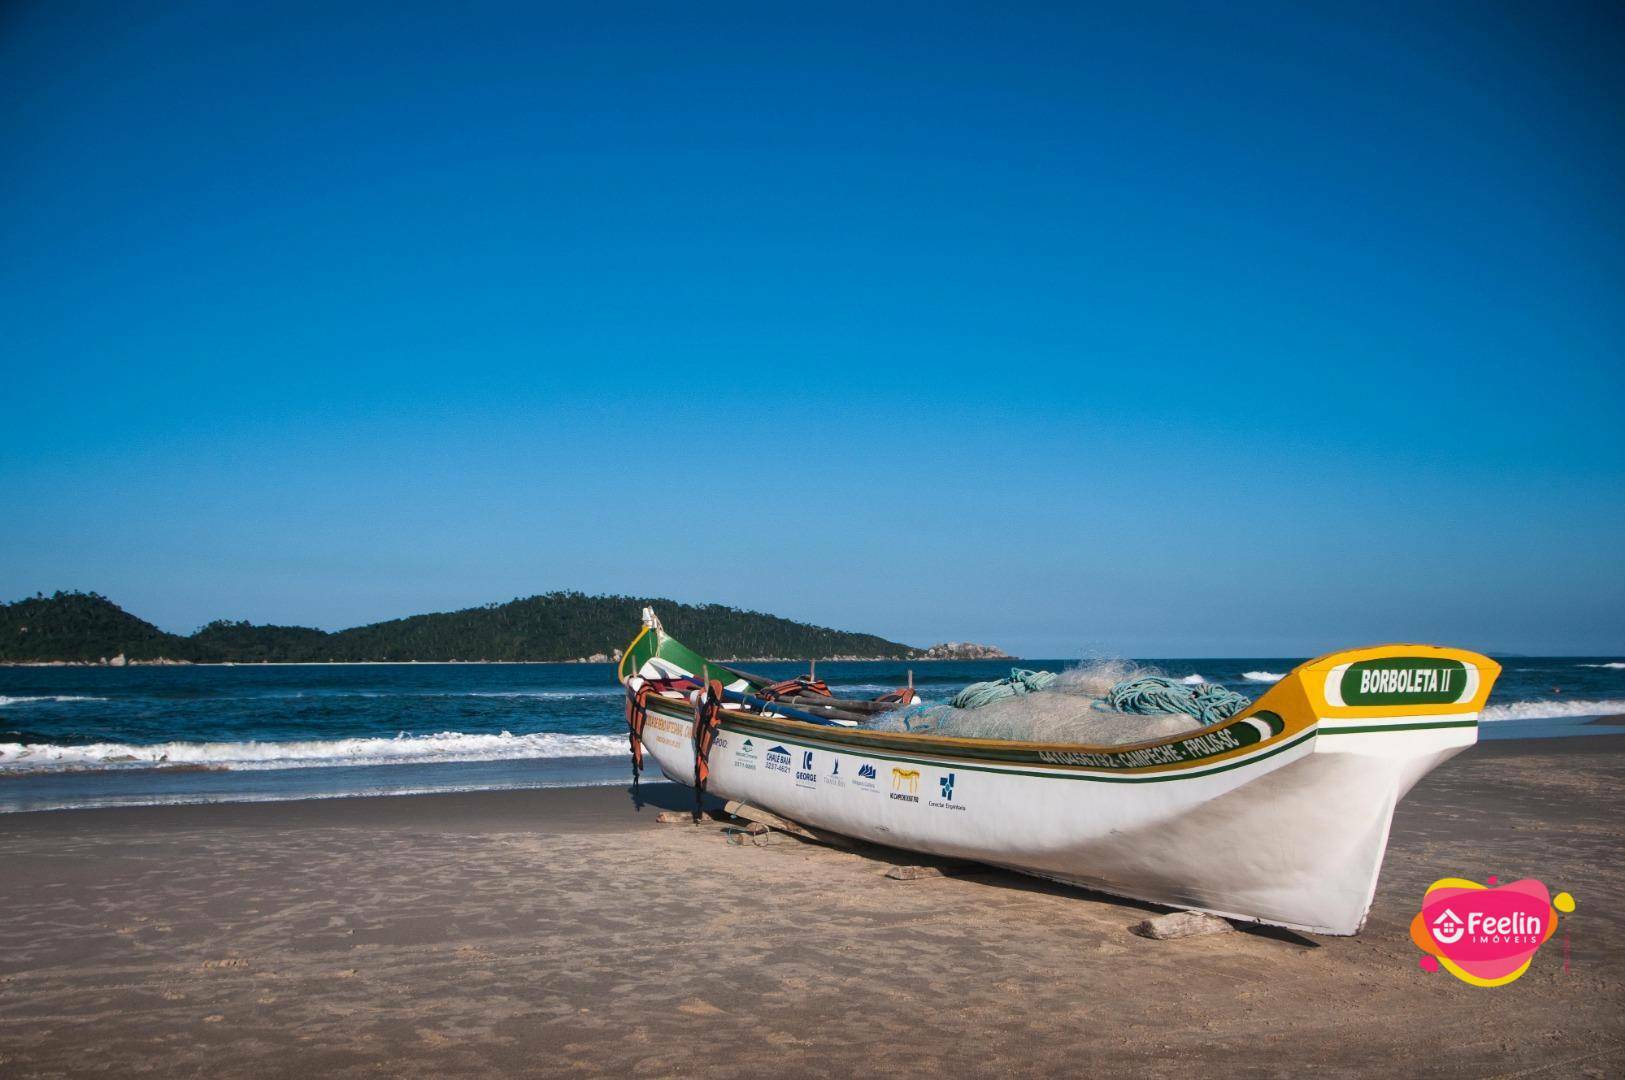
column 1021, row 681
column 1150, row 694
column 1147, row 695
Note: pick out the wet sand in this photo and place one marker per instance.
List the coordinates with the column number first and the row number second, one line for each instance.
column 555, row 932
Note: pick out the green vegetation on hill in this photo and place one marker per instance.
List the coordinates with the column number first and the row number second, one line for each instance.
column 81, row 626
column 86, row 627
column 246, row 643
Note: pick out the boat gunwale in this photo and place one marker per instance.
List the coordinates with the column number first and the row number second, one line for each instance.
column 905, row 739
column 1269, row 710
column 824, row 737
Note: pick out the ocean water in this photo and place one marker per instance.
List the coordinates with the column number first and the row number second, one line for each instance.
column 77, row 737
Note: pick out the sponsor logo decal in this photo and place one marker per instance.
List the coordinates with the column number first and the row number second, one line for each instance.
column 1485, row 935
column 835, row 779
column 662, row 723
column 805, row 775
column 745, row 756
column 667, row 732
column 778, row 759
column 867, row 779
column 905, row 784
column 945, row 784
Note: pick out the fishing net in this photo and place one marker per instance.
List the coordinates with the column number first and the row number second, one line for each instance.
column 1102, row 703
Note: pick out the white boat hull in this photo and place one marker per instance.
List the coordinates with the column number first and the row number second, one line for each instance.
column 1293, row 838
column 1277, row 815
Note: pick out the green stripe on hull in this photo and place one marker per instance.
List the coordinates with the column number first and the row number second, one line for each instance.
column 735, row 725
column 1360, row 729
column 1190, row 748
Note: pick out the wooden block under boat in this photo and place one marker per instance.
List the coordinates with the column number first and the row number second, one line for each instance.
column 794, row 828
column 920, row 873
column 1181, row 924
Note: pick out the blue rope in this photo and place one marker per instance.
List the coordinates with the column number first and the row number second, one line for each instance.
column 919, row 717
column 1150, row 694
column 1021, row 681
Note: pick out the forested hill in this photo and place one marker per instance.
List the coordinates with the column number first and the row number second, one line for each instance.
column 87, row 628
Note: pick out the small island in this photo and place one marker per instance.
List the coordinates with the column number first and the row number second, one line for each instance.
column 964, row 650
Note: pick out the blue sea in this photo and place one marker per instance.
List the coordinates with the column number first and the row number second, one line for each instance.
column 82, row 737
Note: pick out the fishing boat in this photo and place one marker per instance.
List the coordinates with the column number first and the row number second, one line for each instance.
column 1278, row 814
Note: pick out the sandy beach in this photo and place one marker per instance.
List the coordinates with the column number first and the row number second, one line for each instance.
column 563, row 931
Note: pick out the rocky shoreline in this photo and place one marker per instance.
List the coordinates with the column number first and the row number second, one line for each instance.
column 965, row 650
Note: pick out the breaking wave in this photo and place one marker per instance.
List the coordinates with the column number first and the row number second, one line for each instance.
column 305, row 754
column 1193, row 680
column 539, row 695
column 1262, row 676
column 1540, row 710
column 4, row 700
column 1614, row 665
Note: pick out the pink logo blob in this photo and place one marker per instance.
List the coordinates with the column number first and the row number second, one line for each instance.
column 1485, row 936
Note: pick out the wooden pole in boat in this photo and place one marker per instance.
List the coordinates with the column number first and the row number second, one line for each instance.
column 845, row 704
column 812, row 670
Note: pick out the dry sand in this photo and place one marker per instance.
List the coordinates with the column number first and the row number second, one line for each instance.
column 555, row 932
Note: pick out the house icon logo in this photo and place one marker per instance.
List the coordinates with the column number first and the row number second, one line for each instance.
column 1448, row 928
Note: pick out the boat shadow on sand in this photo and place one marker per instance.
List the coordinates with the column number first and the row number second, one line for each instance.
column 665, row 796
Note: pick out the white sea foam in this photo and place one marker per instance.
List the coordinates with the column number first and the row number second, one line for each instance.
column 541, row 695
column 326, row 694
column 4, row 700
column 1262, row 676
column 1193, row 680
column 216, row 797
column 311, row 753
column 1612, row 665
column 853, row 689
column 1539, row 710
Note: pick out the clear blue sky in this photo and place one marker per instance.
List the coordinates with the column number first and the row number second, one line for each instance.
column 1220, row 329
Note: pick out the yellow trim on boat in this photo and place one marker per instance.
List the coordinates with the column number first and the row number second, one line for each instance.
column 626, row 655
column 1314, row 677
